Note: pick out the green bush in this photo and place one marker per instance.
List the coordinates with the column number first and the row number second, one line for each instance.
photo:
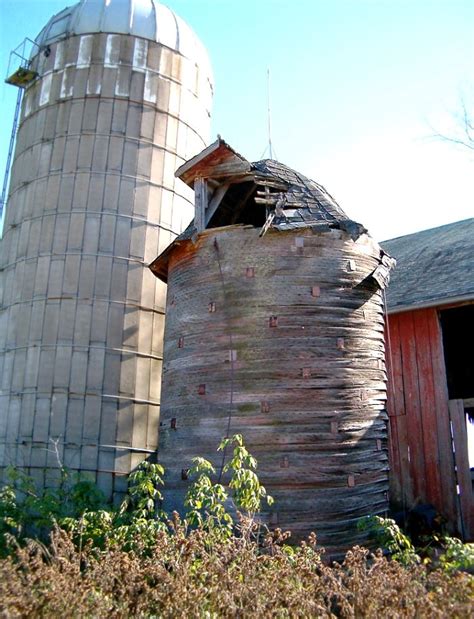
column 135, row 560
column 388, row 535
column 457, row 555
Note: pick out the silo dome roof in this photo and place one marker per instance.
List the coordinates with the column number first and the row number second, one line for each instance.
column 148, row 19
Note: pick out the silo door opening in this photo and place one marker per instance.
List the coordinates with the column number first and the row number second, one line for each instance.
column 238, row 206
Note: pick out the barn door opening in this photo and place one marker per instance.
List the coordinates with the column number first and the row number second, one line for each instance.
column 458, row 341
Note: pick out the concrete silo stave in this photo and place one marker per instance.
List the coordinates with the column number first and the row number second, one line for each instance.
column 122, row 97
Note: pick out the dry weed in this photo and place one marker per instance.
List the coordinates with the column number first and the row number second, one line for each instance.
column 187, row 576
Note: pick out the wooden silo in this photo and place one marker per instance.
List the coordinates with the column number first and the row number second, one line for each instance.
column 275, row 330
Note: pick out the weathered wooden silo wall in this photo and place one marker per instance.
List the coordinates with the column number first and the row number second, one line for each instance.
column 289, row 326
column 93, row 199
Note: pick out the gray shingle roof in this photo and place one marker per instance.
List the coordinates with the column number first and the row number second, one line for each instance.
column 298, row 202
column 306, row 203
column 434, row 266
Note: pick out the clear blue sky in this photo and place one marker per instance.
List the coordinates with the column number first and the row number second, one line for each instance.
column 356, row 87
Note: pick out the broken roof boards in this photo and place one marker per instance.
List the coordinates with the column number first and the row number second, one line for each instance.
column 295, row 201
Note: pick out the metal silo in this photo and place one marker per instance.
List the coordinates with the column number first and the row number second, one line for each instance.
column 275, row 330
column 121, row 96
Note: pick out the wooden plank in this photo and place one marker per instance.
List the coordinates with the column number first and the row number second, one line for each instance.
column 267, row 224
column 269, row 201
column 216, row 199
column 461, row 456
column 268, row 182
column 448, row 481
column 396, row 489
column 396, row 402
column 434, row 493
column 405, row 471
column 412, row 406
column 200, row 191
column 207, row 163
column 226, row 169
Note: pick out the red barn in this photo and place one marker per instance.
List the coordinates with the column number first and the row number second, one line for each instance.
column 430, row 359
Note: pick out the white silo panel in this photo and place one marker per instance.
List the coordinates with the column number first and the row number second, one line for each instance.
column 89, row 218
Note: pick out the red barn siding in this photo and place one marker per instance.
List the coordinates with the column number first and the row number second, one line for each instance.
column 420, row 446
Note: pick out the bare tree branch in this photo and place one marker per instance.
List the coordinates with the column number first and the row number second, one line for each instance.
column 465, row 122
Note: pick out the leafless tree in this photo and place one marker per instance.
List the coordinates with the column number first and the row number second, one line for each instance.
column 463, row 135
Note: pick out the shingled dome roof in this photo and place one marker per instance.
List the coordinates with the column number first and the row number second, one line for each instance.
column 305, row 202
column 266, row 194
column 148, row 19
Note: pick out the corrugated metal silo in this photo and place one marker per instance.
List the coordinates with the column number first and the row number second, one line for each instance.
column 275, row 330
column 122, row 97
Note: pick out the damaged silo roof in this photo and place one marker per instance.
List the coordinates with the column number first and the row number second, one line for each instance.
column 230, row 190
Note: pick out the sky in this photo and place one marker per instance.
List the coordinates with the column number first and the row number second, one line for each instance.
column 358, row 90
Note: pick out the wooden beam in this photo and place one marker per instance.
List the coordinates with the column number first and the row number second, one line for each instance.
column 271, row 183
column 440, row 404
column 271, row 201
column 244, row 178
column 214, row 202
column 461, row 457
column 200, row 201
column 230, row 168
column 267, row 224
column 216, row 160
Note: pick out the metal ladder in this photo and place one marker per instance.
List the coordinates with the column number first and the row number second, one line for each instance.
column 10, row 152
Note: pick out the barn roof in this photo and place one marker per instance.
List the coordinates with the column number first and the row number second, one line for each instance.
column 434, row 267
column 237, row 188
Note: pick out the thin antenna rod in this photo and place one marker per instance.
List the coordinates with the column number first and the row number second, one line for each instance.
column 270, row 149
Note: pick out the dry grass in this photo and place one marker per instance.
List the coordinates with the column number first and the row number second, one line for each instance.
column 185, row 576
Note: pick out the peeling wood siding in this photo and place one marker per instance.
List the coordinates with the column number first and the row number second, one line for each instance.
column 421, row 458
column 309, row 408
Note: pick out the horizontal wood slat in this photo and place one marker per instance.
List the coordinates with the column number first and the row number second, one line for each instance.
column 307, row 380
